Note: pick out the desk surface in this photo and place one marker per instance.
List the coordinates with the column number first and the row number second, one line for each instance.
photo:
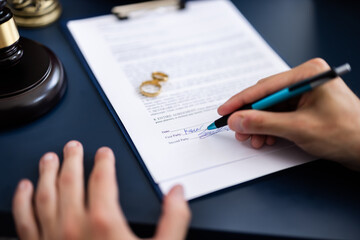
column 316, row 200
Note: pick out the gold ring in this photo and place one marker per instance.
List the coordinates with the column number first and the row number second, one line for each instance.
column 153, row 83
column 161, row 77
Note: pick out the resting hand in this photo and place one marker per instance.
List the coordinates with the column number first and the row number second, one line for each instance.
column 325, row 122
column 60, row 212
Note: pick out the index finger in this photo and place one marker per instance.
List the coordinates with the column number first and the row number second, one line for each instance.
column 272, row 84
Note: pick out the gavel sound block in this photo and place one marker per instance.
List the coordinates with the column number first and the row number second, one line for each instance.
column 32, row 78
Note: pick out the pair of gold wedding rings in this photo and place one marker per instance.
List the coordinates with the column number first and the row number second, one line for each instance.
column 157, row 78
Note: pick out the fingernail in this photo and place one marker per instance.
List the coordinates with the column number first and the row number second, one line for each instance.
column 23, row 184
column 103, row 150
column 178, row 192
column 239, row 124
column 48, row 157
column 72, row 144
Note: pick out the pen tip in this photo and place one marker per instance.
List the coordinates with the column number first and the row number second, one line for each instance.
column 211, row 126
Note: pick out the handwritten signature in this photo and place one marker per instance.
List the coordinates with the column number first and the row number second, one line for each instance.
column 208, row 133
column 188, row 131
column 204, row 133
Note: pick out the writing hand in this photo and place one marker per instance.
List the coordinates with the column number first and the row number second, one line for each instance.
column 62, row 211
column 325, row 122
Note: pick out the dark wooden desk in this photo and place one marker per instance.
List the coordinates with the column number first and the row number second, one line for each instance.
column 317, row 200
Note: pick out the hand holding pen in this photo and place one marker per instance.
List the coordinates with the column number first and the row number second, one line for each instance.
column 325, row 122
column 287, row 93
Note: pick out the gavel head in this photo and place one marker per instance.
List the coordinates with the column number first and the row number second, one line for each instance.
column 10, row 51
column 2, row 4
column 5, row 13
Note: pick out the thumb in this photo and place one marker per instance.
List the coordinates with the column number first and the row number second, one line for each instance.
column 287, row 125
column 175, row 217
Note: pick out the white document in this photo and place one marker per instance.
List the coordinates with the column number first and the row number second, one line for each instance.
column 210, row 52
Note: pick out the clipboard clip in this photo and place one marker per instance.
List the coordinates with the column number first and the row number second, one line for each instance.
column 125, row 11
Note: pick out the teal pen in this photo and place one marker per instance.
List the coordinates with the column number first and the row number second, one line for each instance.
column 287, row 93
